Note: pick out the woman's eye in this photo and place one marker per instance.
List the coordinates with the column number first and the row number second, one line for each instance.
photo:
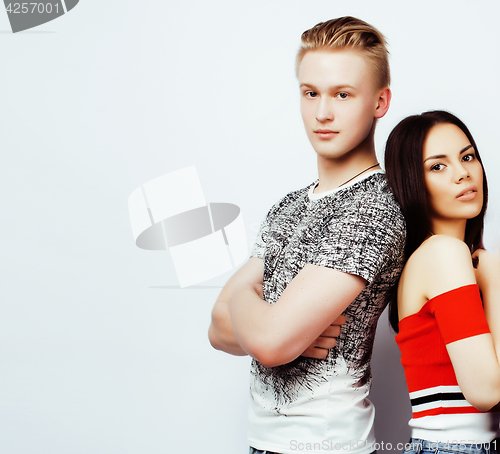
column 437, row 167
column 468, row 157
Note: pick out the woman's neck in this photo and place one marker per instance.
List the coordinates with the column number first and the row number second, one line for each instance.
column 451, row 227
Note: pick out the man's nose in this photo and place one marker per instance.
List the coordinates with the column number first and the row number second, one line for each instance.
column 325, row 110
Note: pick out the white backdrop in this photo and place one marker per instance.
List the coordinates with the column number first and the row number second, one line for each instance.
column 99, row 352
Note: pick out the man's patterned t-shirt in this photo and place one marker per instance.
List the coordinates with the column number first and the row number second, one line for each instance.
column 357, row 229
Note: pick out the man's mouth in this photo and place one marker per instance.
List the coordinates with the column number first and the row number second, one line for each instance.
column 325, row 133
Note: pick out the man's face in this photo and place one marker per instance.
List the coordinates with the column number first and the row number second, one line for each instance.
column 339, row 101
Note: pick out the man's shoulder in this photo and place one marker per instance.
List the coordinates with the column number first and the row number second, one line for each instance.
column 374, row 194
column 292, row 197
column 300, row 192
column 374, row 186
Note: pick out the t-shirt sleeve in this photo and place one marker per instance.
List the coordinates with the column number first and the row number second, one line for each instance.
column 459, row 313
column 259, row 246
column 262, row 239
column 364, row 239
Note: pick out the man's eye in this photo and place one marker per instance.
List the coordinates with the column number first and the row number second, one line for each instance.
column 342, row 95
column 311, row 94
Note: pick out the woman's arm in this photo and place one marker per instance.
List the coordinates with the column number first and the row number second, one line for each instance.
column 484, row 350
column 488, row 279
column 474, row 358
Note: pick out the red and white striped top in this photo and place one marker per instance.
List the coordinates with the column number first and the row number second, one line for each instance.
column 440, row 411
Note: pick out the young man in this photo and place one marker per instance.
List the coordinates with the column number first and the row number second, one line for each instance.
column 334, row 247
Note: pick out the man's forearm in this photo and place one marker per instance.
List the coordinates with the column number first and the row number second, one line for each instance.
column 279, row 333
column 220, row 332
column 256, row 328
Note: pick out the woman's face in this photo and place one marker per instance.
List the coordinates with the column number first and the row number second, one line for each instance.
column 453, row 175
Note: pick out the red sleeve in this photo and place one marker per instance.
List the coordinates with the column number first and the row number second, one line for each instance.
column 459, row 313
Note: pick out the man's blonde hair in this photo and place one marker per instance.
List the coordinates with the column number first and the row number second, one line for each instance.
column 349, row 33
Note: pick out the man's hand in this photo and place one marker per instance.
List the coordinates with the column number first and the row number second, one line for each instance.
column 319, row 348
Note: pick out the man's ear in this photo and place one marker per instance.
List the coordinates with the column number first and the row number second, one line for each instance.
column 383, row 102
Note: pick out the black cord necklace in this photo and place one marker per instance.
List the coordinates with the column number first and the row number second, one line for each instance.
column 357, row 175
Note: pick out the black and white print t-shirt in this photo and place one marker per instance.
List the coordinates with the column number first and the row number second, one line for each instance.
column 311, row 405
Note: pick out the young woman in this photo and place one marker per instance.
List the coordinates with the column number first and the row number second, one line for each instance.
column 448, row 340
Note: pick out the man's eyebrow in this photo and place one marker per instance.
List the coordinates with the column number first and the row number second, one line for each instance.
column 335, row 88
column 441, row 156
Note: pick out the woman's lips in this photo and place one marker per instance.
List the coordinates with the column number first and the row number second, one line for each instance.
column 467, row 194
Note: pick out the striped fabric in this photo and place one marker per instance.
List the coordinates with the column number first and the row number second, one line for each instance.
column 439, row 400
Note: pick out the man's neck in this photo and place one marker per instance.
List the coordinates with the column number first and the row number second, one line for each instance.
column 335, row 173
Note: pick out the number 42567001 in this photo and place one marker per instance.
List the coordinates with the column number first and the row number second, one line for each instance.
column 32, row 8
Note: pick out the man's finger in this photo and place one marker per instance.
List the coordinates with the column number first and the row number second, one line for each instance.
column 331, row 331
column 317, row 353
column 340, row 320
column 325, row 342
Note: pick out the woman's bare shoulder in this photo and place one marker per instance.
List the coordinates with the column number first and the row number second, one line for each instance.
column 444, row 246
column 442, row 263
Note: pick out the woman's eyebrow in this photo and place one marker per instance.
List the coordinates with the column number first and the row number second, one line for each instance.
column 441, row 156
column 465, row 149
column 437, row 156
